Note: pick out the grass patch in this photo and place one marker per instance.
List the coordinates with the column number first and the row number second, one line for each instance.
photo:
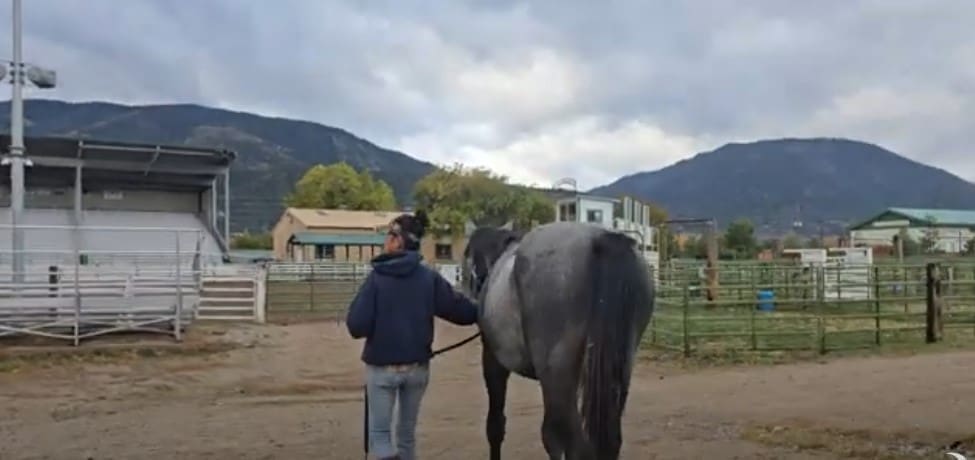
column 857, row 444
column 735, row 330
column 729, row 357
column 20, row 359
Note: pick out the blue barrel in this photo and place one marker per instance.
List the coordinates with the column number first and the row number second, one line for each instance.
column 766, row 300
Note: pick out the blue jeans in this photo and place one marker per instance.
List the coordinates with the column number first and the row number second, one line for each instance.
column 385, row 387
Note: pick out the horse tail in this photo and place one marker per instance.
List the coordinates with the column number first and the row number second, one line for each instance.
column 616, row 295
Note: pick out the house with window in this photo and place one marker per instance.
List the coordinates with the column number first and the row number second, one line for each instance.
column 625, row 214
column 950, row 229
column 577, row 207
column 313, row 235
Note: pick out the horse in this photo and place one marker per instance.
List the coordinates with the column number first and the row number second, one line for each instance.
column 565, row 304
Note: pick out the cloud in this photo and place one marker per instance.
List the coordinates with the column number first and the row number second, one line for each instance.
column 554, row 150
column 539, row 90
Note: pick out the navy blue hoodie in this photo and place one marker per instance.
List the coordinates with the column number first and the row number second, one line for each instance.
column 395, row 307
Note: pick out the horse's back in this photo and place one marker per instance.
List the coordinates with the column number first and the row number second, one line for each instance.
column 553, row 260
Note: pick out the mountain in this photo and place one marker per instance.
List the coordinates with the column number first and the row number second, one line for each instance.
column 777, row 182
column 272, row 152
column 774, row 183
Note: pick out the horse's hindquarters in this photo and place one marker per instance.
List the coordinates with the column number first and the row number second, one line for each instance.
column 501, row 324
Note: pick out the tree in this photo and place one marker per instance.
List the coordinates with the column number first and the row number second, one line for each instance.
column 970, row 247
column 671, row 245
column 249, row 240
column 791, row 241
column 340, row 186
column 929, row 241
column 740, row 238
column 454, row 195
column 658, row 215
column 695, row 247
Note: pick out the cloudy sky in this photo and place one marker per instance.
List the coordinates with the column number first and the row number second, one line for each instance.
column 539, row 90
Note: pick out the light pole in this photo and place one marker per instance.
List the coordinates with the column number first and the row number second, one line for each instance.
column 42, row 78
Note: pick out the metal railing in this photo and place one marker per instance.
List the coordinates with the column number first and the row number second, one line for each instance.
column 72, row 291
column 320, row 289
column 782, row 307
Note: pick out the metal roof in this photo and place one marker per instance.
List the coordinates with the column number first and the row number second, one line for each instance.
column 343, row 218
column 938, row 216
column 942, row 217
column 120, row 156
column 110, row 163
column 338, row 239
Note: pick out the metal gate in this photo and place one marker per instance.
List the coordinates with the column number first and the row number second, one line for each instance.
column 232, row 293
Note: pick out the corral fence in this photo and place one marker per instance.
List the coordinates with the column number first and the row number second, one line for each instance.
column 760, row 307
column 320, row 290
column 775, row 307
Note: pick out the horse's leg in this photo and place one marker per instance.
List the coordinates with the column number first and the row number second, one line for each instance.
column 496, row 379
column 562, row 425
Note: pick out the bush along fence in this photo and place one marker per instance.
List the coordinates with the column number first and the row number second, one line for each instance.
column 786, row 307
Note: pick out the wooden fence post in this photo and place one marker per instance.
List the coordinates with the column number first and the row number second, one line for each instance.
column 821, row 320
column 821, row 332
column 933, row 327
column 939, row 297
column 876, row 304
column 712, row 264
column 653, row 331
column 905, row 287
column 260, row 295
column 311, row 288
column 685, row 304
column 754, row 306
column 821, row 286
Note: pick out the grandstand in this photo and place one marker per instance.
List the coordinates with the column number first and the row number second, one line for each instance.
column 111, row 228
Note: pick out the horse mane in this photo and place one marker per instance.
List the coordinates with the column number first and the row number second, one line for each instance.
column 491, row 242
column 485, row 246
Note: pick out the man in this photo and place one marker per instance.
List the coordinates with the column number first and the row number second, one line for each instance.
column 394, row 311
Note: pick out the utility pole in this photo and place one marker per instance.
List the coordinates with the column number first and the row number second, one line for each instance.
column 20, row 73
column 17, row 147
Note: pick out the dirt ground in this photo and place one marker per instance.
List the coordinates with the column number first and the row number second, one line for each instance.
column 293, row 392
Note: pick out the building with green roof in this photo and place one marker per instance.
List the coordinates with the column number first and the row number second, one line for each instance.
column 952, row 229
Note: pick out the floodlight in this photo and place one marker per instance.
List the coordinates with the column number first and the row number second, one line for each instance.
column 42, row 78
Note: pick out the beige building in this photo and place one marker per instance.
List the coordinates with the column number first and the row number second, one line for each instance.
column 308, row 235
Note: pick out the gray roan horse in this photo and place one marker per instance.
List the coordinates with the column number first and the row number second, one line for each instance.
column 566, row 304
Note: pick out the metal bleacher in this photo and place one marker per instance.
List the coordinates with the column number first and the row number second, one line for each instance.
column 112, row 238
column 94, row 265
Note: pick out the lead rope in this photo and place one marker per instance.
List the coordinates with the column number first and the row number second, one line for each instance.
column 365, row 422
column 458, row 344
